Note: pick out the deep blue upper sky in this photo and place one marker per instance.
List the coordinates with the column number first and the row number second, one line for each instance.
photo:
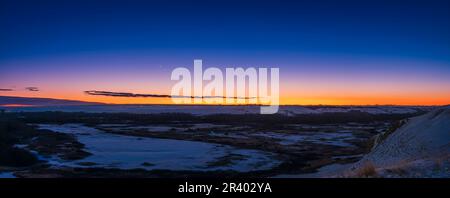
column 328, row 52
column 399, row 29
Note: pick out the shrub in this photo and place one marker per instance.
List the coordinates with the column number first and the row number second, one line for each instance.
column 366, row 170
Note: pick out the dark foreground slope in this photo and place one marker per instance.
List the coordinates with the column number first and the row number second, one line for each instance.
column 9, row 100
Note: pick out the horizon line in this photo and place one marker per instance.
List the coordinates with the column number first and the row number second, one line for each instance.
column 199, row 104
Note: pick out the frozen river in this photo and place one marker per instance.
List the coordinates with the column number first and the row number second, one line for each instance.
column 127, row 152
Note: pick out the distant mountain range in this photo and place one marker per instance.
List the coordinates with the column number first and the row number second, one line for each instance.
column 9, row 100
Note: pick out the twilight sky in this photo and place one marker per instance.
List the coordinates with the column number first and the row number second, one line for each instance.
column 351, row 52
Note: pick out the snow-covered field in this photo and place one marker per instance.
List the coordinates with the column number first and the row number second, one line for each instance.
column 126, row 152
column 207, row 110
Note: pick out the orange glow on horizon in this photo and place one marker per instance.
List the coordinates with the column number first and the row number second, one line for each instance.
column 438, row 99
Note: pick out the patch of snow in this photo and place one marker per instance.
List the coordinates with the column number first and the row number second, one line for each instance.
column 21, row 146
column 228, row 134
column 150, row 128
column 336, row 139
column 7, row 175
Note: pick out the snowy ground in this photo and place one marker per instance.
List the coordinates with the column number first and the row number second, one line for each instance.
column 336, row 134
column 7, row 175
column 420, row 148
column 209, row 143
column 336, row 139
column 126, row 152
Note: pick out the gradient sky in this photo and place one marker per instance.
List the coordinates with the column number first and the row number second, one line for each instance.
column 328, row 52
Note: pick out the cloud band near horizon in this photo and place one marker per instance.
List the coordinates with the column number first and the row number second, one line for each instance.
column 133, row 95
